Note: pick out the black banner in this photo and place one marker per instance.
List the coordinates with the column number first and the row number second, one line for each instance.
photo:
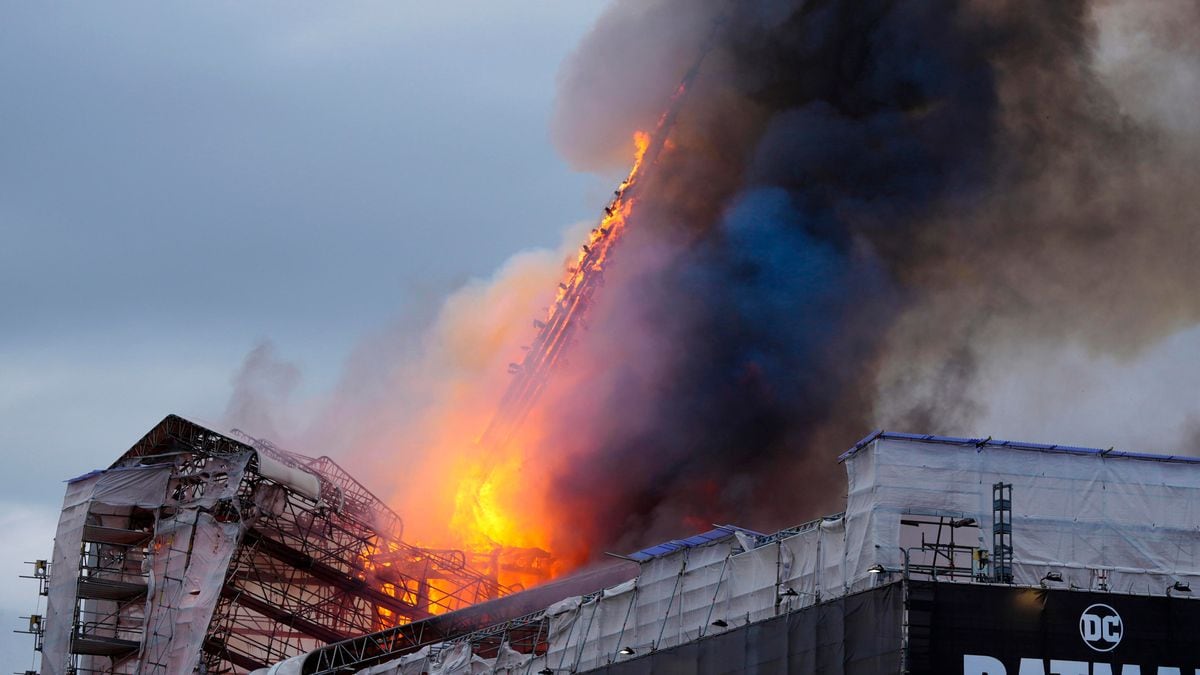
column 996, row 630
column 853, row 635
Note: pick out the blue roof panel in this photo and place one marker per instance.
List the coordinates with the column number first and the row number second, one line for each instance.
column 669, row 547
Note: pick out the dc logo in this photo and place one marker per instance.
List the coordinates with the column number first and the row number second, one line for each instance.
column 1101, row 629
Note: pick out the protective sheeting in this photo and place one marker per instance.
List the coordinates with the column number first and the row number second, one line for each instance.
column 815, row 561
column 509, row 661
column 674, row 600
column 1131, row 520
column 144, row 486
column 1128, row 521
column 854, row 635
column 217, row 482
column 689, row 594
column 411, row 664
column 191, row 553
column 150, row 596
column 60, row 605
column 753, row 585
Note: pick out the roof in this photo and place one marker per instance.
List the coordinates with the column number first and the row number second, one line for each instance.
column 981, row 443
column 669, row 547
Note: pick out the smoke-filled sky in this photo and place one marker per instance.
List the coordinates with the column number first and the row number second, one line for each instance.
column 331, row 226
column 952, row 217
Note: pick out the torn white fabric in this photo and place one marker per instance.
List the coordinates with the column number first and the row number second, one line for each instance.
column 144, row 486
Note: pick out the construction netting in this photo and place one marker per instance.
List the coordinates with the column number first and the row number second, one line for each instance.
column 139, row 558
column 1102, row 520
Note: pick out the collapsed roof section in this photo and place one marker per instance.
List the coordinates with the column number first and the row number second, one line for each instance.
column 198, row 550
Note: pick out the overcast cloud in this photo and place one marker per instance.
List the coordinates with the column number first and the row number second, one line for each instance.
column 181, row 181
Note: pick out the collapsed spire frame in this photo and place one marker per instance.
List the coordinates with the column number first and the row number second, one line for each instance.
column 311, row 557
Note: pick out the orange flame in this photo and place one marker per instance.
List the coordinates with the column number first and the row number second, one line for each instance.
column 497, row 495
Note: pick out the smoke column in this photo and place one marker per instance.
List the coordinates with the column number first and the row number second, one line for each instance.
column 861, row 201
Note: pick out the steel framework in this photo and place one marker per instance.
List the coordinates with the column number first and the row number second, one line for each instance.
column 576, row 292
column 310, row 567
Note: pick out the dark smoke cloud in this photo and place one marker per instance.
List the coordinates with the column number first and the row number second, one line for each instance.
column 861, row 200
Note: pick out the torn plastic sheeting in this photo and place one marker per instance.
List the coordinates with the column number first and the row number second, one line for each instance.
column 190, row 558
column 509, row 661
column 564, row 605
column 570, row 622
column 603, row 624
column 563, row 616
column 217, row 481
column 460, row 660
column 133, row 486
column 409, row 664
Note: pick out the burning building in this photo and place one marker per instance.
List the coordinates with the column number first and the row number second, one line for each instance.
column 821, row 202
column 196, row 552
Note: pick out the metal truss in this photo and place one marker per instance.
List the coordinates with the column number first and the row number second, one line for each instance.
column 307, row 571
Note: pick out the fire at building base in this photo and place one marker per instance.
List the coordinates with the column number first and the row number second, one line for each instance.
column 198, row 552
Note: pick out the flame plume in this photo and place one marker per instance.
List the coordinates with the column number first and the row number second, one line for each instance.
column 483, row 509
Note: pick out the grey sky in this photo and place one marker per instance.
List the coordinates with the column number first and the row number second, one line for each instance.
column 179, row 181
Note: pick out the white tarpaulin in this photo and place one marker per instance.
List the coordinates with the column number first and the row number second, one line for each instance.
column 674, row 600
column 191, row 553
column 1076, row 512
column 409, row 664
column 60, row 605
column 180, row 572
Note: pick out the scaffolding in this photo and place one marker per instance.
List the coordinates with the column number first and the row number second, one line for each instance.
column 1002, row 547
column 230, row 553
